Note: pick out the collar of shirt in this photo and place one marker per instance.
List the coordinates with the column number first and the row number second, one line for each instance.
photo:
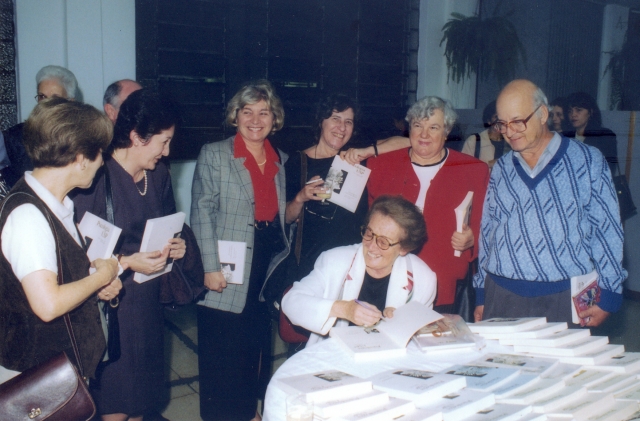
column 545, row 157
column 63, row 211
column 240, row 150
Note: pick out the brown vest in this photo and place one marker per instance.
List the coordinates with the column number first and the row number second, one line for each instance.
column 26, row 340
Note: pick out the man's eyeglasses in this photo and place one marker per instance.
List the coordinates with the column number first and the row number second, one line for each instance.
column 383, row 242
column 517, row 126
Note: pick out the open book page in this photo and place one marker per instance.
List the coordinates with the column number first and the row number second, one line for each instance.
column 232, row 256
column 99, row 236
column 463, row 211
column 348, row 183
column 157, row 234
column 585, row 292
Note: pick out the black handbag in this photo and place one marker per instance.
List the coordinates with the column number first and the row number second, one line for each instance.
column 464, row 303
column 53, row 390
column 185, row 283
column 627, row 207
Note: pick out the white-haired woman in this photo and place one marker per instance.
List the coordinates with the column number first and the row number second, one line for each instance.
column 436, row 179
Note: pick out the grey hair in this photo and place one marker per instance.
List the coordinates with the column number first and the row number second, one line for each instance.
column 252, row 93
column 65, row 76
column 425, row 108
column 539, row 99
column 111, row 94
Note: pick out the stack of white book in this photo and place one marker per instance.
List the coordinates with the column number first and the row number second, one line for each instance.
column 421, row 387
column 483, row 378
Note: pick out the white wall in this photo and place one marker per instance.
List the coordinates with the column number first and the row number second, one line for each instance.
column 432, row 65
column 95, row 39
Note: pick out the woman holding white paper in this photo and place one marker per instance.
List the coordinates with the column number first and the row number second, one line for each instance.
column 361, row 283
column 437, row 180
column 238, row 195
column 321, row 226
column 65, row 141
column 141, row 190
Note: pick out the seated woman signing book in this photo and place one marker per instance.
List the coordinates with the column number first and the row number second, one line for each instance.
column 361, row 283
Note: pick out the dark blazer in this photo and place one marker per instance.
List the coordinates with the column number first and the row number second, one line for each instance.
column 222, row 208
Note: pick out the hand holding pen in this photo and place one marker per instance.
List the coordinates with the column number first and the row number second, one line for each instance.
column 364, row 314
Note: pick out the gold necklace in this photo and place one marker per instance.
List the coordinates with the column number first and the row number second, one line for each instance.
column 263, row 162
column 142, row 193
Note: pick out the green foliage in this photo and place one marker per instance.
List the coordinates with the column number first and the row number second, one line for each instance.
column 485, row 47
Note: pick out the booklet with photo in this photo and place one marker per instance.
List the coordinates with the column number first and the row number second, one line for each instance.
column 585, row 292
column 348, row 183
column 524, row 363
column 447, row 335
column 501, row 412
column 348, row 404
column 389, row 337
column 483, row 378
column 506, row 325
column 232, row 255
column 100, row 237
column 536, row 332
column 461, row 404
column 553, row 340
column 157, row 234
column 463, row 212
column 325, row 386
column 627, row 362
column 421, row 387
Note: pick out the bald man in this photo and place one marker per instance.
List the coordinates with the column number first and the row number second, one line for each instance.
column 115, row 95
column 551, row 213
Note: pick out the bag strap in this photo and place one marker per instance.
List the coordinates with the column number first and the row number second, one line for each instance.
column 109, row 195
column 66, row 318
column 477, row 151
column 303, row 180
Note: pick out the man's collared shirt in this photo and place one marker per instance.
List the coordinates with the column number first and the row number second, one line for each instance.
column 544, row 159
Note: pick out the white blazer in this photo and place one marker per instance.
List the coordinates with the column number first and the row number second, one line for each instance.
column 309, row 302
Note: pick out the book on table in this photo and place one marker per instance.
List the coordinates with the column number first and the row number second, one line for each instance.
column 626, row 362
column 585, row 293
column 448, row 334
column 420, row 415
column 631, row 393
column 535, row 390
column 614, row 384
column 389, row 410
column 584, row 406
column 389, row 337
column 463, row 213
column 461, row 404
column 556, row 400
column 232, row 255
column 572, row 349
column 515, row 385
column 501, row 412
column 506, row 325
column 615, row 412
column 525, row 363
column 418, row 386
column 587, row 377
column 325, row 386
column 554, row 340
column 157, row 233
column 349, row 404
column 594, row 357
column 100, row 237
column 535, row 332
column 348, row 183
column 483, row 378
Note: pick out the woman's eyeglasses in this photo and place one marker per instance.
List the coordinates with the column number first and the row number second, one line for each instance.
column 383, row 242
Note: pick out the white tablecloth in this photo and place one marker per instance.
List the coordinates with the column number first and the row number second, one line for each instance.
column 329, row 355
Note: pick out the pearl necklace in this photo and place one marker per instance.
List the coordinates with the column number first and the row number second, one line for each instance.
column 142, row 193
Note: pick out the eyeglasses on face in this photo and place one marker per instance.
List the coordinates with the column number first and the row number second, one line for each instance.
column 383, row 242
column 517, row 126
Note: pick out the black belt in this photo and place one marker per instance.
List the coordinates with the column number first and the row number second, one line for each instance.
column 260, row 225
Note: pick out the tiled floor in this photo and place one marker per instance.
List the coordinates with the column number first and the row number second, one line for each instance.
column 182, row 359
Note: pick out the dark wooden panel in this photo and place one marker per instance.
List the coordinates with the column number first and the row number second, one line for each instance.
column 175, row 63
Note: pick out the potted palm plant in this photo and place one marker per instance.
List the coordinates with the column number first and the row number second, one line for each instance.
column 485, row 47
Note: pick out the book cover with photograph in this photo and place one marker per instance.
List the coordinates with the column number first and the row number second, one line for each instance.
column 348, row 183
column 100, row 237
column 157, row 233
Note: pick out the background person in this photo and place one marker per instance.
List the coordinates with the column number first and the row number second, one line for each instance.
column 586, row 119
column 51, row 81
column 488, row 145
column 238, row 194
column 65, row 142
column 379, row 272
column 558, row 121
column 115, row 94
column 141, row 188
column 437, row 180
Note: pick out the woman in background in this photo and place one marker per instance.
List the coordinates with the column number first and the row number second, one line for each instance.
column 141, row 186
column 238, row 194
column 558, row 121
column 586, row 119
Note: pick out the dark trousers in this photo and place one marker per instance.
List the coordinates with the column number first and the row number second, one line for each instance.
column 234, row 350
column 500, row 302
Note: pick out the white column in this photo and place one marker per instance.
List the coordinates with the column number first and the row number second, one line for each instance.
column 95, row 39
column 432, row 64
column 614, row 27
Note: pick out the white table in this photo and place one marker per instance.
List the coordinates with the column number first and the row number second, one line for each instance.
column 329, row 355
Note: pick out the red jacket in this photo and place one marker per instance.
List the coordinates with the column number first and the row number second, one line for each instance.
column 393, row 174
